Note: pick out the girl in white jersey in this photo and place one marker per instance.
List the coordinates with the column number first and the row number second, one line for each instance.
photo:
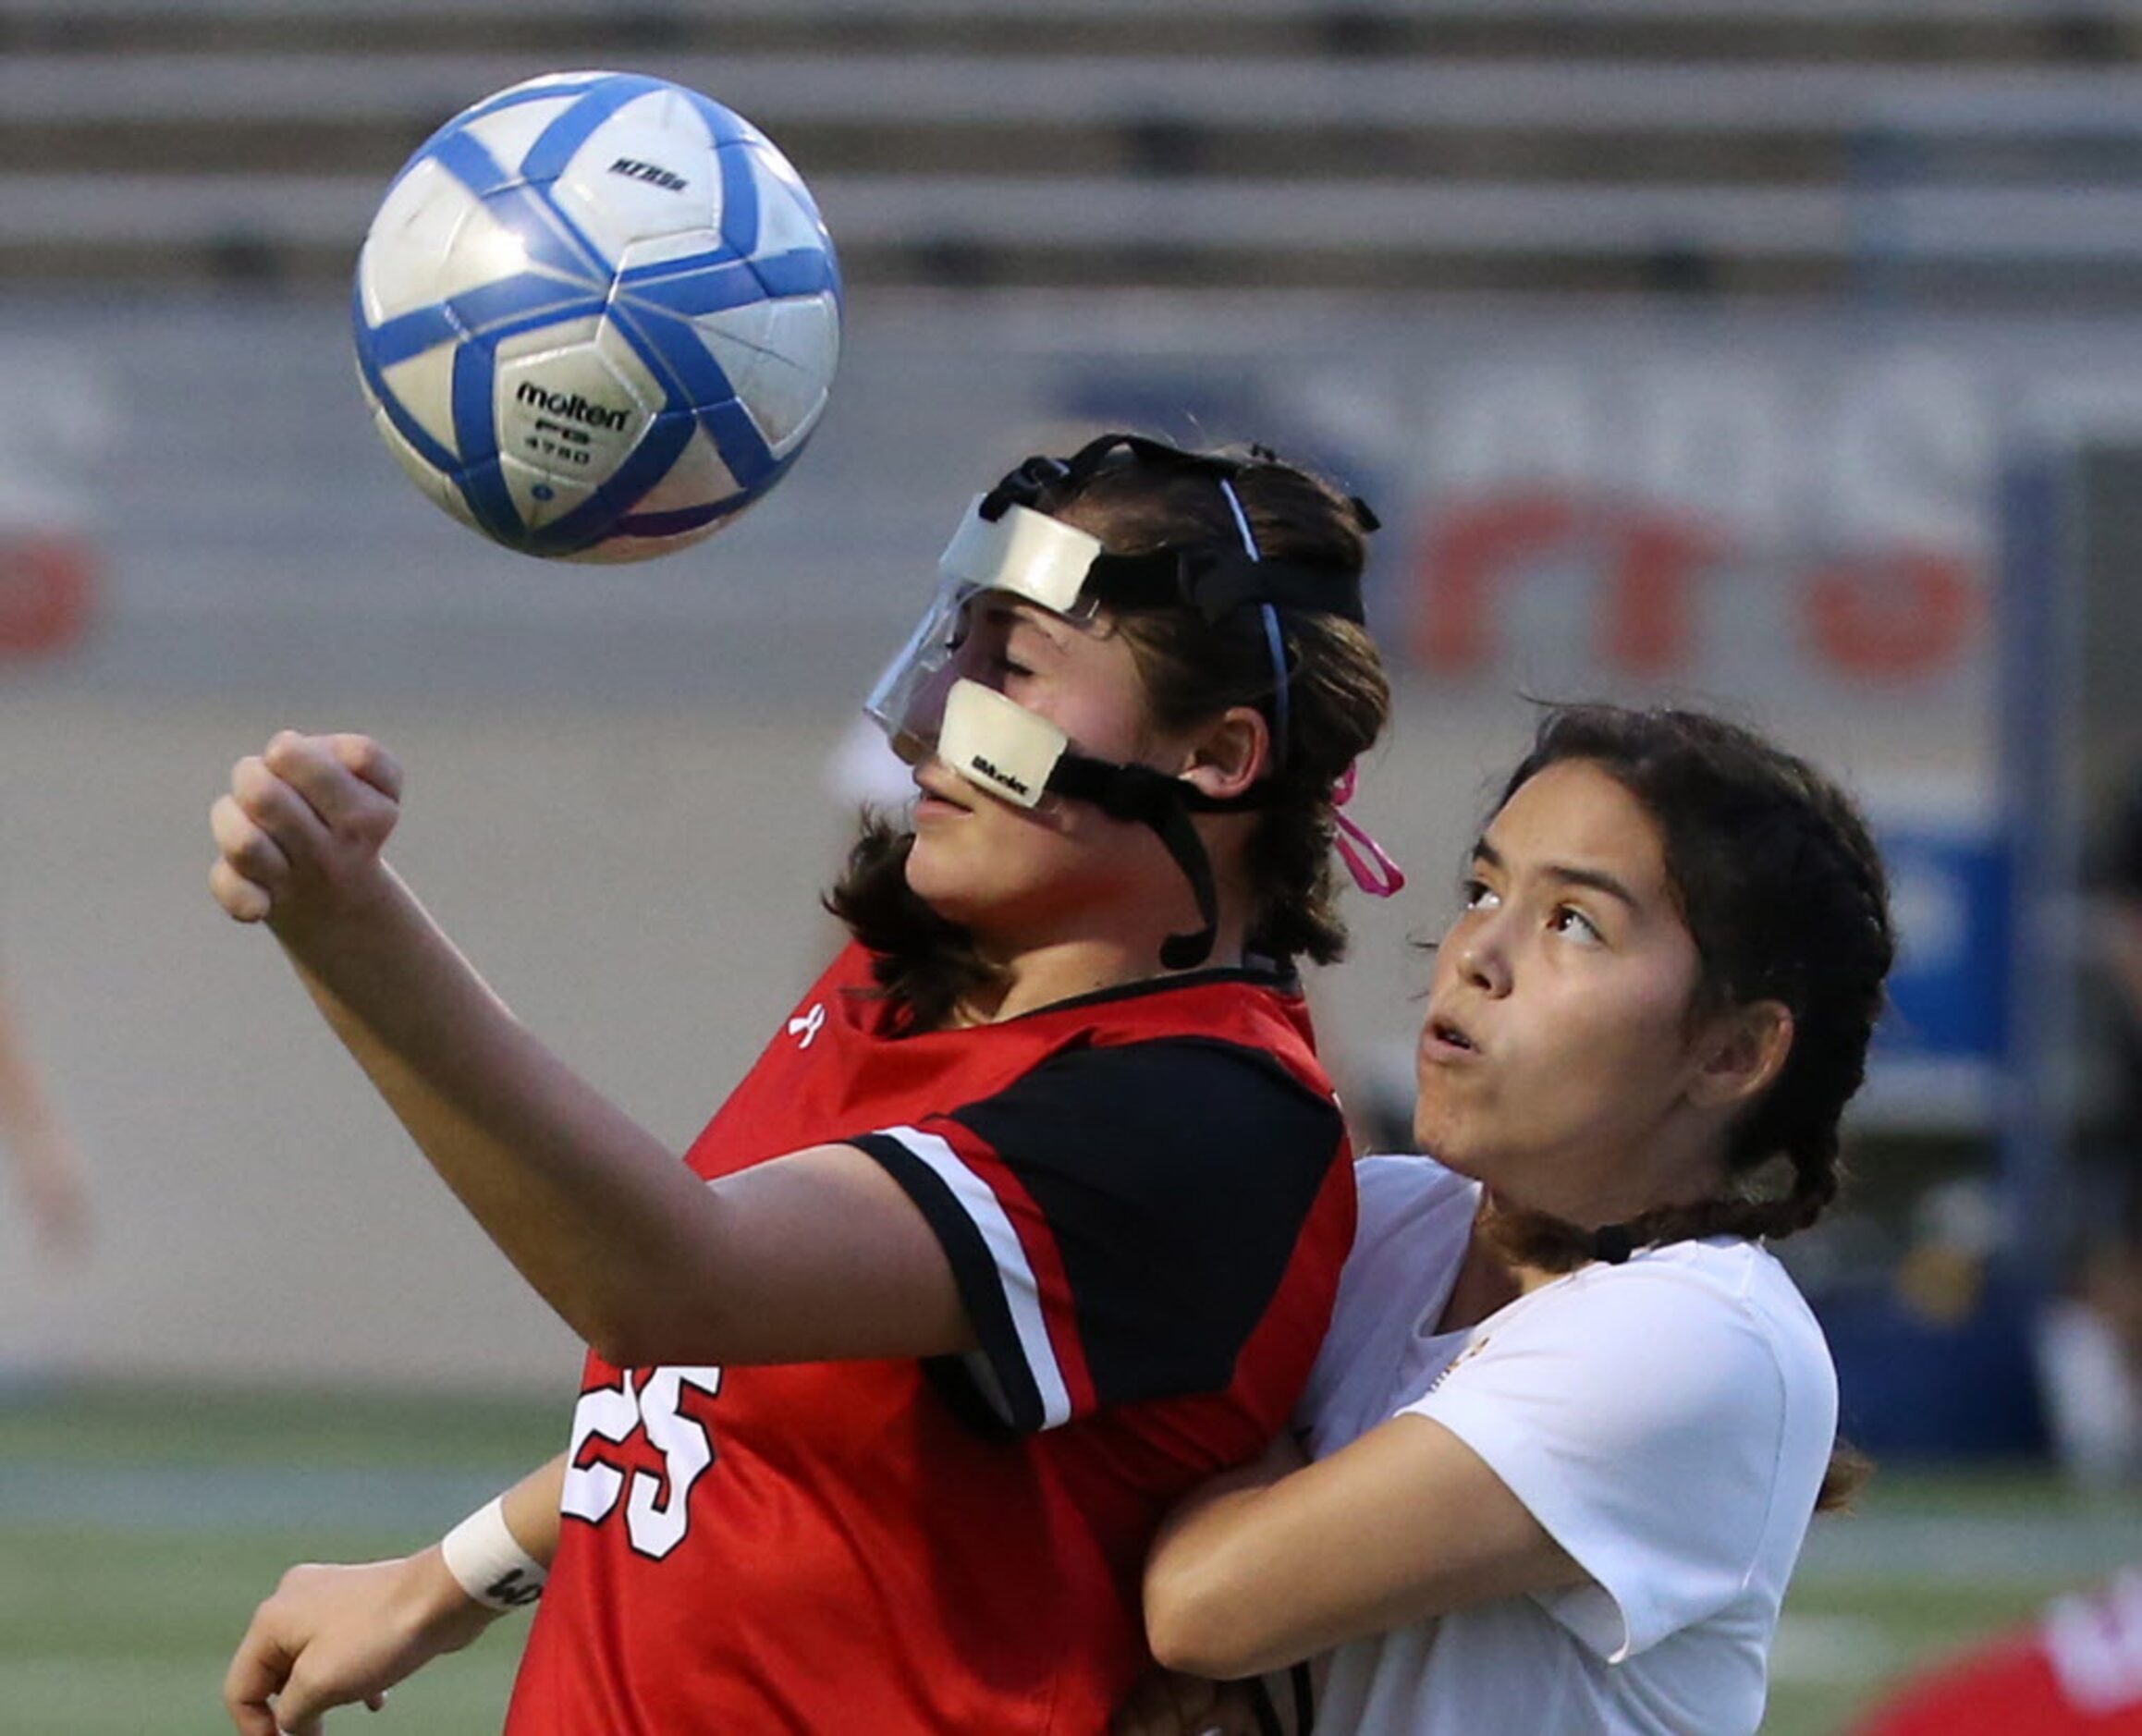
column 1572, row 1418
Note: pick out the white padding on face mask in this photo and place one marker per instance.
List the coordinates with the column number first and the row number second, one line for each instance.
column 1026, row 552
column 997, row 745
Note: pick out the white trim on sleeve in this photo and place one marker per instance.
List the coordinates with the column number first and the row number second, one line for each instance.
column 1022, row 1291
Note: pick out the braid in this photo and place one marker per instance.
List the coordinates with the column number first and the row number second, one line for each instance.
column 1553, row 1244
column 1816, row 1181
column 1785, row 893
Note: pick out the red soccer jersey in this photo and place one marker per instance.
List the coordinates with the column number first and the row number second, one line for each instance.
column 1145, row 1197
column 2076, row 1673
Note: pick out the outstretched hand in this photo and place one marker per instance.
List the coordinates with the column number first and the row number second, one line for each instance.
column 336, row 1636
column 301, row 831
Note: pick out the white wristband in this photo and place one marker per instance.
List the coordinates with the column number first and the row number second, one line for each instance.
column 483, row 1556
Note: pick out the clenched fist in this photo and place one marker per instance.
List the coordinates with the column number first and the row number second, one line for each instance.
column 301, row 831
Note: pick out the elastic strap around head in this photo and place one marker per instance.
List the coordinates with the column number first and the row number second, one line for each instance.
column 1242, row 519
column 1024, row 485
column 1141, row 795
column 1283, row 696
column 1209, row 576
column 1275, row 640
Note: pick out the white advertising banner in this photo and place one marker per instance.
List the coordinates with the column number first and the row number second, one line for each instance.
column 1798, row 511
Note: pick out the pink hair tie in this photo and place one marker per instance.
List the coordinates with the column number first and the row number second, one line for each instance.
column 1366, row 859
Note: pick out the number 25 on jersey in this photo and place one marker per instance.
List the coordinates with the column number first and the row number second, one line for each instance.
column 657, row 1508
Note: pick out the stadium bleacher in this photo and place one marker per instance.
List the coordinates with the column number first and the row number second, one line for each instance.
column 1768, row 146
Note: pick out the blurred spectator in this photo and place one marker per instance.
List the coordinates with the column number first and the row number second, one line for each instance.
column 1954, row 1233
column 46, row 1173
column 2075, row 1671
column 2091, row 1339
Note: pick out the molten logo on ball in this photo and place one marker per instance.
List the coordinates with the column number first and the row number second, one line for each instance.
column 573, row 405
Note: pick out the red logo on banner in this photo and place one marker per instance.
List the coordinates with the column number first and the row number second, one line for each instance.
column 1888, row 615
column 47, row 582
column 1897, row 614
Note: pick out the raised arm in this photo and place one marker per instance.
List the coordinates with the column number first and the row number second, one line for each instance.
column 1259, row 1570
column 336, row 1635
column 818, row 1254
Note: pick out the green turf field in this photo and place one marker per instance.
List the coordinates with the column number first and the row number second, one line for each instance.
column 138, row 1528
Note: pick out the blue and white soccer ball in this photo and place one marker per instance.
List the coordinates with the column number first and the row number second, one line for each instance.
column 598, row 316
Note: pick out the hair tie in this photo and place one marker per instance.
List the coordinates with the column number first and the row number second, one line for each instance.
column 1612, row 1243
column 1366, row 859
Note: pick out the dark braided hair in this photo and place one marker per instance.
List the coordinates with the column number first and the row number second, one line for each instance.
column 1339, row 702
column 1783, row 891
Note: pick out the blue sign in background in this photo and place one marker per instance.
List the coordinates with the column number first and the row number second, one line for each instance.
column 1913, row 1384
column 1951, row 889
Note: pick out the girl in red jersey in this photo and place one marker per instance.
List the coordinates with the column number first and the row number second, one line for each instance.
column 2077, row 1670
column 1028, row 1218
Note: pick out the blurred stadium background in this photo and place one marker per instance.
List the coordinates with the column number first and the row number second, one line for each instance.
column 1776, row 353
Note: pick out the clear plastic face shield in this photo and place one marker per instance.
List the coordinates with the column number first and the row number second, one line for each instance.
column 943, row 694
column 937, row 696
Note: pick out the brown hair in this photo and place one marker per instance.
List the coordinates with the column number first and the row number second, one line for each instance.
column 1338, row 702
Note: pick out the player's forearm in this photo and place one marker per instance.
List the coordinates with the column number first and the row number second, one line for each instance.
column 602, row 1219
column 496, row 1559
column 1196, row 1590
column 531, row 1510
column 1404, row 1525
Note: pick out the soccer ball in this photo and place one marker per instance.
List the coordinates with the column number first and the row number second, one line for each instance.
column 598, row 316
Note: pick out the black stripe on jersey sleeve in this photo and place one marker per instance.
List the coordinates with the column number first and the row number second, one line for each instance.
column 1002, row 1380
column 1174, row 1177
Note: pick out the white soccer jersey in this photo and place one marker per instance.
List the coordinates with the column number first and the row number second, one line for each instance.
column 1668, row 1420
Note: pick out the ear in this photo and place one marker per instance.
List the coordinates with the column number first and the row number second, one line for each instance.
column 1740, row 1053
column 1230, row 754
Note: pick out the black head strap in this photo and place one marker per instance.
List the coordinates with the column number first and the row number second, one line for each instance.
column 1142, row 796
column 1214, row 575
column 1024, row 486
column 1216, row 579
